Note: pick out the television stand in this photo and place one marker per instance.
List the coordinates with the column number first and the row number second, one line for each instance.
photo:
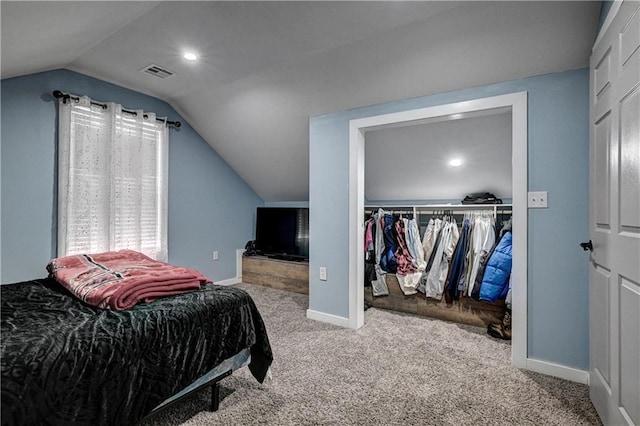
column 288, row 275
column 287, row 257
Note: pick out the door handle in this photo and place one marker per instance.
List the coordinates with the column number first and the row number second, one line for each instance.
column 587, row 246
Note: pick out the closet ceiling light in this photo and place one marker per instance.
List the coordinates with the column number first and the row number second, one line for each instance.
column 455, row 162
column 190, row 56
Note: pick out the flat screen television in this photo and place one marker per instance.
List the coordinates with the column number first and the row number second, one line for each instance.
column 283, row 232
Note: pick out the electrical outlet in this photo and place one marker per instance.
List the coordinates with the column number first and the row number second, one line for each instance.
column 323, row 273
column 215, row 255
column 537, row 199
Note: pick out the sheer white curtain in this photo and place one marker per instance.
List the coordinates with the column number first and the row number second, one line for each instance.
column 112, row 180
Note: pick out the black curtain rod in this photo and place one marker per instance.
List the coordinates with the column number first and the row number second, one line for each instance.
column 65, row 96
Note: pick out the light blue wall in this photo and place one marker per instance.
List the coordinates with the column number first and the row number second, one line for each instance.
column 558, row 152
column 210, row 206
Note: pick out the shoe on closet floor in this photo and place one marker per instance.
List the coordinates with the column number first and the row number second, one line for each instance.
column 501, row 331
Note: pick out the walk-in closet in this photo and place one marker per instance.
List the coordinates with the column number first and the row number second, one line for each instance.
column 426, row 251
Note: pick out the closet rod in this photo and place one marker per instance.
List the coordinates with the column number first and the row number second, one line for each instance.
column 66, row 96
column 391, row 209
column 452, row 209
column 441, row 206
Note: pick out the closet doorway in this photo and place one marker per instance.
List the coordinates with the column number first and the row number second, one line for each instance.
column 514, row 104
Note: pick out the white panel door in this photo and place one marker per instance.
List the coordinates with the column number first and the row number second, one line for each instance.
column 614, row 267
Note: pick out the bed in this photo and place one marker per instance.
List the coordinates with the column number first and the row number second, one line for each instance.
column 65, row 362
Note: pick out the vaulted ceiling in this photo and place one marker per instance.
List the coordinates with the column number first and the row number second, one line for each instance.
column 266, row 67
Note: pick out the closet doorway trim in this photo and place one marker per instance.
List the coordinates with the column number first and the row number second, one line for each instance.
column 517, row 103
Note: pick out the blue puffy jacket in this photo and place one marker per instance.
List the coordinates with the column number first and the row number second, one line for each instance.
column 495, row 282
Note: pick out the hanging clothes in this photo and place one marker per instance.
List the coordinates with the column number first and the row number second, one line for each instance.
column 483, row 239
column 415, row 245
column 437, row 275
column 378, row 227
column 506, row 227
column 429, row 240
column 430, row 237
column 496, row 278
column 475, row 294
column 402, row 255
column 456, row 269
column 387, row 260
column 407, row 274
column 462, row 281
column 379, row 285
column 407, row 239
column 368, row 236
column 446, row 261
column 484, row 259
column 437, row 236
column 369, row 253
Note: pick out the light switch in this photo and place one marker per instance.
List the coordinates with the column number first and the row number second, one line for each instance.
column 537, row 199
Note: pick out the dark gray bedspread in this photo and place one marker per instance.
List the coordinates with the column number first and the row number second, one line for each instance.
column 64, row 362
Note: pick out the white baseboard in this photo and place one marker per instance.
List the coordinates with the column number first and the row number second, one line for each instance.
column 557, row 370
column 239, row 253
column 238, row 278
column 230, row 281
column 331, row 319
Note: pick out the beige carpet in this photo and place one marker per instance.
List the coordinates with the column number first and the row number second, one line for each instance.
column 396, row 370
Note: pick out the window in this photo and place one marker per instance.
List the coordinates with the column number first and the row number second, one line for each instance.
column 112, row 179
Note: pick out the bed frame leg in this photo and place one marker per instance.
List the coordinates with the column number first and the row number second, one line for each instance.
column 215, row 390
column 215, row 396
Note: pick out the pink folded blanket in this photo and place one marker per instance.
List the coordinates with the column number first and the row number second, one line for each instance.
column 119, row 280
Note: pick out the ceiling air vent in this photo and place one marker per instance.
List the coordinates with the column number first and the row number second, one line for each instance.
column 157, row 71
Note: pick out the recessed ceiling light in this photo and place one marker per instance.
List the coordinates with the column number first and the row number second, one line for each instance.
column 190, row 56
column 455, row 162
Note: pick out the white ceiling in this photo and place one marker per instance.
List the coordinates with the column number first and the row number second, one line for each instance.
column 412, row 162
column 266, row 67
